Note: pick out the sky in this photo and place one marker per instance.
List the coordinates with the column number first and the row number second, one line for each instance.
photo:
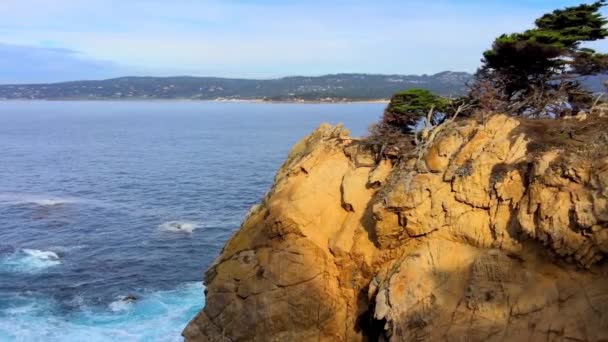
column 61, row 40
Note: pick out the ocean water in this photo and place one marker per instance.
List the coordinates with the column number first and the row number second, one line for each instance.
column 111, row 211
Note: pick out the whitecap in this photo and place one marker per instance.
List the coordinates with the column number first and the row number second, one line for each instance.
column 29, row 261
column 50, row 201
column 41, row 255
column 40, row 200
column 182, row 226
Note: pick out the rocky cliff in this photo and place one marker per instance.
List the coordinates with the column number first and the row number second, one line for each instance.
column 494, row 231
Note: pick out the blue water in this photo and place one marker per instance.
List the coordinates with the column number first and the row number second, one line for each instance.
column 103, row 200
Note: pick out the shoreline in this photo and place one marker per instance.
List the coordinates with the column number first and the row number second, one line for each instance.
column 384, row 101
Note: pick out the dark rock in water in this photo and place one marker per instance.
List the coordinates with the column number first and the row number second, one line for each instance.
column 177, row 226
column 130, row 298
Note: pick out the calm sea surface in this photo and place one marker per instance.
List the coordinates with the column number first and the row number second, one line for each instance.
column 104, row 201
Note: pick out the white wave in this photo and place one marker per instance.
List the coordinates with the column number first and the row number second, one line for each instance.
column 29, row 261
column 120, row 305
column 182, row 226
column 50, row 201
column 41, row 255
column 40, row 200
column 156, row 316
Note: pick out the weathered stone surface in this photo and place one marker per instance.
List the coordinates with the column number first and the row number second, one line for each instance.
column 378, row 175
column 479, row 238
column 451, row 291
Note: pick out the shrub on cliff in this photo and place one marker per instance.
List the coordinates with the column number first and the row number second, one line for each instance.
column 537, row 72
column 409, row 115
column 408, row 108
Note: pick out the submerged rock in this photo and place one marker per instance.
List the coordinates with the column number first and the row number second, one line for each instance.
column 129, row 298
column 496, row 231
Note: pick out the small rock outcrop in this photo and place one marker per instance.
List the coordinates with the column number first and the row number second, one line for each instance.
column 496, row 231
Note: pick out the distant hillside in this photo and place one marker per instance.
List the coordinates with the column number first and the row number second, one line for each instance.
column 329, row 88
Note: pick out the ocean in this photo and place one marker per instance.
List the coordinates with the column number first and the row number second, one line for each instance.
column 111, row 211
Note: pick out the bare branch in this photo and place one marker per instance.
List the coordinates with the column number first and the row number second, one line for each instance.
column 597, row 100
column 429, row 116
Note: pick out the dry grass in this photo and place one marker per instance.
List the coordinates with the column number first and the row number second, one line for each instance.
column 586, row 137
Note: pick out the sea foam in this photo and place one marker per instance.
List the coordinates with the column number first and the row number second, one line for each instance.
column 156, row 316
column 29, row 261
column 182, row 226
column 121, row 304
column 36, row 199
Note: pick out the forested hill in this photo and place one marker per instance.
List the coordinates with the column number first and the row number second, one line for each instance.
column 330, row 88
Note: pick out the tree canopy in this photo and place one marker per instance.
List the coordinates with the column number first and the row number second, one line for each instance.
column 534, row 73
column 544, row 64
column 408, row 107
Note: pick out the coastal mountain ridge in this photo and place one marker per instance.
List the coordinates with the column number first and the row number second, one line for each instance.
column 326, row 88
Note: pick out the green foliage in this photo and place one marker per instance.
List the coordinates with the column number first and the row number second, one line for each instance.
column 408, row 107
column 415, row 100
column 572, row 25
column 547, row 59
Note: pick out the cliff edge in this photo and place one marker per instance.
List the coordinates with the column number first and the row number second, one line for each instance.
column 495, row 231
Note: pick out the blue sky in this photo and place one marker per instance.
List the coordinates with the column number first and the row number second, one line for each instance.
column 58, row 40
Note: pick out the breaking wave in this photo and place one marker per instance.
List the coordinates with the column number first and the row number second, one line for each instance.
column 29, row 261
column 183, row 226
column 156, row 316
column 40, row 200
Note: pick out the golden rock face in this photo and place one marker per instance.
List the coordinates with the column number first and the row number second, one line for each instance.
column 481, row 238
